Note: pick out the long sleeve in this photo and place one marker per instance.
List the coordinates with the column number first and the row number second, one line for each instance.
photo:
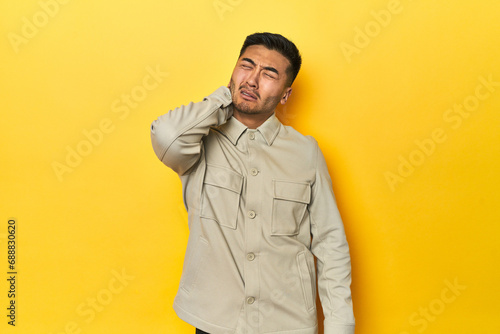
column 177, row 136
column 330, row 247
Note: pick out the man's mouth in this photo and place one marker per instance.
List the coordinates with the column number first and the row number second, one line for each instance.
column 247, row 95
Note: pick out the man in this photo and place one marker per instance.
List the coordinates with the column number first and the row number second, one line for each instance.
column 260, row 206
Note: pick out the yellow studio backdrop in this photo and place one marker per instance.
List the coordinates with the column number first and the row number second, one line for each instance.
column 403, row 97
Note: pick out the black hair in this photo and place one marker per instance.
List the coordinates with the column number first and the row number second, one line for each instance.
column 278, row 43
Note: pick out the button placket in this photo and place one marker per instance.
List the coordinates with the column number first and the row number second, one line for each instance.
column 252, row 228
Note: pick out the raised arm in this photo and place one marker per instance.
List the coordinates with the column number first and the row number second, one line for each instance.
column 177, row 135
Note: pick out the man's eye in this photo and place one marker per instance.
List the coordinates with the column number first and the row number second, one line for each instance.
column 269, row 75
column 246, row 66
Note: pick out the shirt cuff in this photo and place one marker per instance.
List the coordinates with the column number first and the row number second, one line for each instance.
column 223, row 97
column 332, row 328
column 223, row 94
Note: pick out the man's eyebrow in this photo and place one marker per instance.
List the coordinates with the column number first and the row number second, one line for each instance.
column 249, row 60
column 267, row 68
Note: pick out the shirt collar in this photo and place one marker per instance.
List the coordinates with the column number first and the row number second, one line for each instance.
column 233, row 129
column 270, row 129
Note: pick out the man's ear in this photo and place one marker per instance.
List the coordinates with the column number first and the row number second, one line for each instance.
column 286, row 95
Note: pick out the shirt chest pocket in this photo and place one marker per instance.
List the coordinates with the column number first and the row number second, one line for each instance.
column 221, row 193
column 290, row 200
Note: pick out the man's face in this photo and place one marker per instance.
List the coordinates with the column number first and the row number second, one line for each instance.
column 259, row 81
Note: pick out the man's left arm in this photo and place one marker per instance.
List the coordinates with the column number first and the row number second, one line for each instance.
column 330, row 247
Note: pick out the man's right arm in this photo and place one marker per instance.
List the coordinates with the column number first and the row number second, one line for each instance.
column 177, row 136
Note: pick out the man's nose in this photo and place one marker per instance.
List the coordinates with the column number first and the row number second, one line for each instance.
column 253, row 78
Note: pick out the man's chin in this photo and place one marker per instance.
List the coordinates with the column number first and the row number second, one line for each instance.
column 244, row 109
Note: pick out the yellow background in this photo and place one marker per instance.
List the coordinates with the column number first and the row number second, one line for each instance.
column 119, row 210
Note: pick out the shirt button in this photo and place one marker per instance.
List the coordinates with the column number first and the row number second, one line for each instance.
column 251, row 135
column 250, row 300
column 251, row 214
column 250, row 256
column 254, row 171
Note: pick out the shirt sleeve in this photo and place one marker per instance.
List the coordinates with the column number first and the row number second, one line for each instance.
column 177, row 135
column 330, row 247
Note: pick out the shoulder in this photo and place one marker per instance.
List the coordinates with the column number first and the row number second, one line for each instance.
column 289, row 133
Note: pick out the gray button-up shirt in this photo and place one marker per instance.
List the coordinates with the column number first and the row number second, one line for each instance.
column 260, row 207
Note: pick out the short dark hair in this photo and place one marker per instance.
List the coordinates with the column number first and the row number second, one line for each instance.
column 278, row 43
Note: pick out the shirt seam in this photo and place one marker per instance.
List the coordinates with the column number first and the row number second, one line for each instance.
column 293, row 330
column 321, row 240
column 194, row 316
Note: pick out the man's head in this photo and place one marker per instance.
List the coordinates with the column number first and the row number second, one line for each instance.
column 263, row 75
column 278, row 43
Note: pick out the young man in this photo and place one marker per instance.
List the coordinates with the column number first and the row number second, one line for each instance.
column 260, row 206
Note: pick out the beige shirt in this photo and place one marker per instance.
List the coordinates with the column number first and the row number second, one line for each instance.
column 260, row 207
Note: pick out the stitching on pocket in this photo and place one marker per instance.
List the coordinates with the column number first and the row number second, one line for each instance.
column 289, row 206
column 221, row 195
column 306, row 281
column 292, row 191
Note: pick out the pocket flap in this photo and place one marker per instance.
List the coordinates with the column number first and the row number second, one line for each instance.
column 223, row 178
column 292, row 191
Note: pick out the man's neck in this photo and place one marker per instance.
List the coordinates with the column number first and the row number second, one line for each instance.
column 252, row 121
